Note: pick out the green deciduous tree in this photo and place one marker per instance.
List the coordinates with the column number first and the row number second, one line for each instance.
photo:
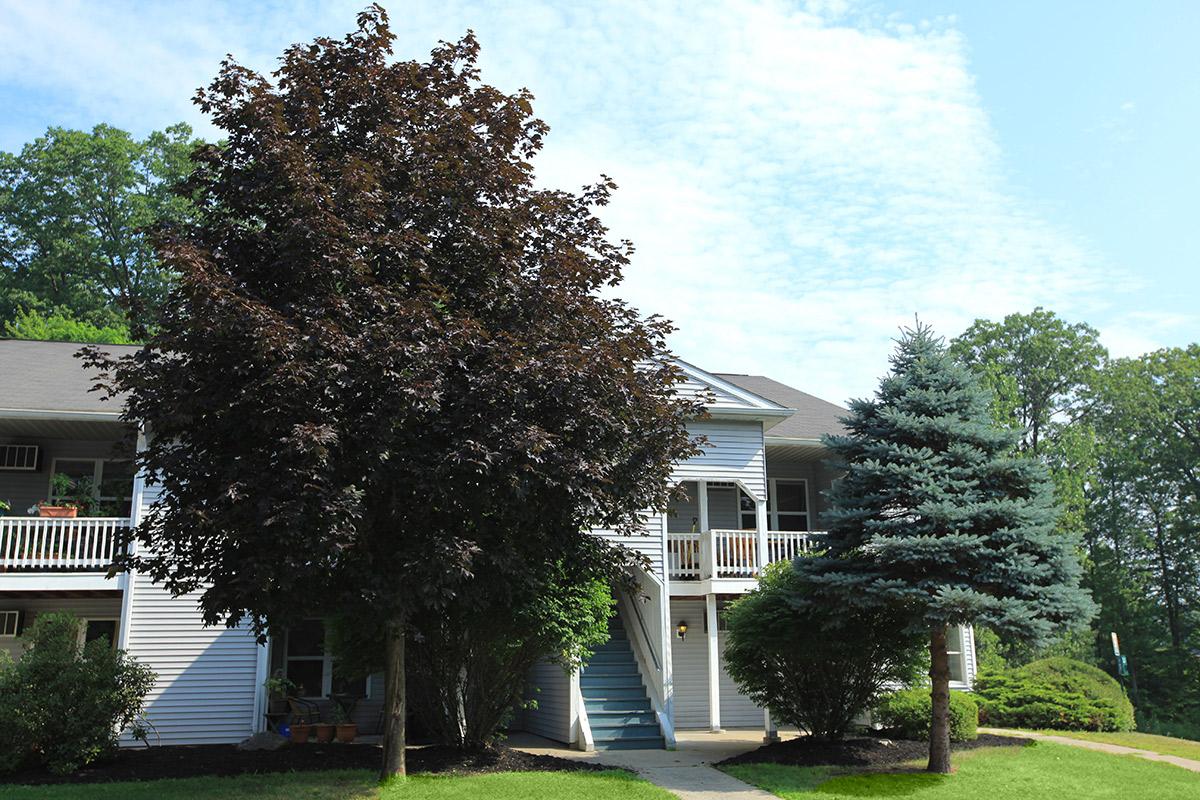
column 937, row 514
column 1036, row 365
column 388, row 359
column 57, row 327
column 74, row 209
column 792, row 649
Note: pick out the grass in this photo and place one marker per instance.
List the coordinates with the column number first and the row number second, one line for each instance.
column 1167, row 745
column 1043, row 771
column 360, row 785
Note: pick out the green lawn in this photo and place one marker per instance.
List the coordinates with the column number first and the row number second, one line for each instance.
column 1043, row 771
column 1167, row 745
column 359, row 785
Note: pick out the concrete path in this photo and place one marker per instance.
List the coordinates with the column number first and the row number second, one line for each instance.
column 685, row 771
column 1103, row 747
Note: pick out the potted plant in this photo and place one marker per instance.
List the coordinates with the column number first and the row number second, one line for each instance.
column 298, row 732
column 346, row 729
column 324, row 732
column 278, row 688
column 60, row 486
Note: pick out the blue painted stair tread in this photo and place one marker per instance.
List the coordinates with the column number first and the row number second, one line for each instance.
column 618, row 707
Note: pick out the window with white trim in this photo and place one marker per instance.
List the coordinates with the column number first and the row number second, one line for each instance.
column 957, row 654
column 111, row 480
column 787, row 504
column 309, row 664
column 94, row 629
column 9, row 622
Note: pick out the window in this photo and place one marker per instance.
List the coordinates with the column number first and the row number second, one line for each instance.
column 311, row 668
column 94, row 629
column 787, row 505
column 9, row 622
column 111, row 479
column 954, row 649
column 747, row 511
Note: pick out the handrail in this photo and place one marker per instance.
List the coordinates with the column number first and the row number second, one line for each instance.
column 719, row 553
column 637, row 612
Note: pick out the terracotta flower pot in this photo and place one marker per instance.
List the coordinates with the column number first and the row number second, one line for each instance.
column 299, row 732
column 57, row 511
column 346, row 732
column 324, row 732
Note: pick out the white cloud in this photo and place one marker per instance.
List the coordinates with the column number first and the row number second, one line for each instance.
column 799, row 180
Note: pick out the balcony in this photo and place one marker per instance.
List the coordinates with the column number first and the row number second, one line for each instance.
column 54, row 544
column 732, row 555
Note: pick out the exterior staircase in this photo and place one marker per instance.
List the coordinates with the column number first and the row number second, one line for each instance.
column 618, row 708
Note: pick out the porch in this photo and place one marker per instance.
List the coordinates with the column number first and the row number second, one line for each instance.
column 48, row 544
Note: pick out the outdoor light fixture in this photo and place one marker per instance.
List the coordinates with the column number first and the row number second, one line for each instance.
column 681, row 629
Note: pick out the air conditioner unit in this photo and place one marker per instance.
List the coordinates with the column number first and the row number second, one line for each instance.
column 19, row 457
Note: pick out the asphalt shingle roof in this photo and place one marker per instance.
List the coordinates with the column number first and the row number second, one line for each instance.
column 46, row 376
column 814, row 417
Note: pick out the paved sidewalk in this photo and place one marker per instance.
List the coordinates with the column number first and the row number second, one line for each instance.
column 1103, row 747
column 685, row 771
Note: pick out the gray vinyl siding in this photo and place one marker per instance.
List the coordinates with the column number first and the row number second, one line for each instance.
column 689, row 666
column 683, row 511
column 737, row 710
column 734, row 451
column 720, row 398
column 207, row 677
column 650, row 545
column 83, row 607
column 550, row 685
column 25, row 489
column 723, row 509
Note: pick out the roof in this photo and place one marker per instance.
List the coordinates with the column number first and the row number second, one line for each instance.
column 814, row 417
column 47, row 377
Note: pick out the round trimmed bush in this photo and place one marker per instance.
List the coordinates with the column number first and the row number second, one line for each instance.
column 1058, row 693
column 907, row 713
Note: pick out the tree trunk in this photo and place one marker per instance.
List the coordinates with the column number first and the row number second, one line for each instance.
column 394, row 706
column 1168, row 585
column 939, row 723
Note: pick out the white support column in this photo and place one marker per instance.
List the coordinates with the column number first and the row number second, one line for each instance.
column 714, row 664
column 129, row 578
column 708, row 555
column 770, row 734
column 760, row 517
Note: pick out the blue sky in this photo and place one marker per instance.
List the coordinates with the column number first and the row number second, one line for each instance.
column 800, row 178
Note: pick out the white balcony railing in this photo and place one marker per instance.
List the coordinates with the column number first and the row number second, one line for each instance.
column 732, row 554
column 59, row 543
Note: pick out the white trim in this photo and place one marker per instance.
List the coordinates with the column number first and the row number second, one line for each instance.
column 714, row 664
column 756, row 400
column 43, row 413
column 786, row 440
column 262, row 665
column 15, row 616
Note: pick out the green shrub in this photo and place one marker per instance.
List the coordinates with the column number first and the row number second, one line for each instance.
column 907, row 713
column 1054, row 693
column 812, row 661
column 62, row 707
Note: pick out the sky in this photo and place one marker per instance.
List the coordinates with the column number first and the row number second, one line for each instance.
column 801, row 179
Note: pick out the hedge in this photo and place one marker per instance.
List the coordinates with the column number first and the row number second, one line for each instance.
column 1058, row 693
column 907, row 714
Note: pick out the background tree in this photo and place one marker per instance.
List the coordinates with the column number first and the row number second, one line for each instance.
column 937, row 515
column 387, row 360
column 74, row 209
column 1035, row 364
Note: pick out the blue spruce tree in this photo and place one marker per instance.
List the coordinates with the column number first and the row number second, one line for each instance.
column 936, row 516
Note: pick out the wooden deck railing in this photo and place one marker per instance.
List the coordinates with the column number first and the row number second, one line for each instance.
column 731, row 554
column 54, row 543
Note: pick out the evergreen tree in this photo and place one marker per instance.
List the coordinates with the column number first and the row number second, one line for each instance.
column 936, row 516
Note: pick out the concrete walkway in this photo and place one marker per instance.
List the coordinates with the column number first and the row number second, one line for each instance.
column 685, row 771
column 1102, row 747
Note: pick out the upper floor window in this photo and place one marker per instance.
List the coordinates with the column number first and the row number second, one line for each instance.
column 787, row 505
column 111, row 481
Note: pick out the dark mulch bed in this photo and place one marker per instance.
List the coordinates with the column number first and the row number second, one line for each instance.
column 862, row 752
column 189, row 761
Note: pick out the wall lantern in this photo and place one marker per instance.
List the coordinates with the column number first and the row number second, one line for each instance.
column 681, row 630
